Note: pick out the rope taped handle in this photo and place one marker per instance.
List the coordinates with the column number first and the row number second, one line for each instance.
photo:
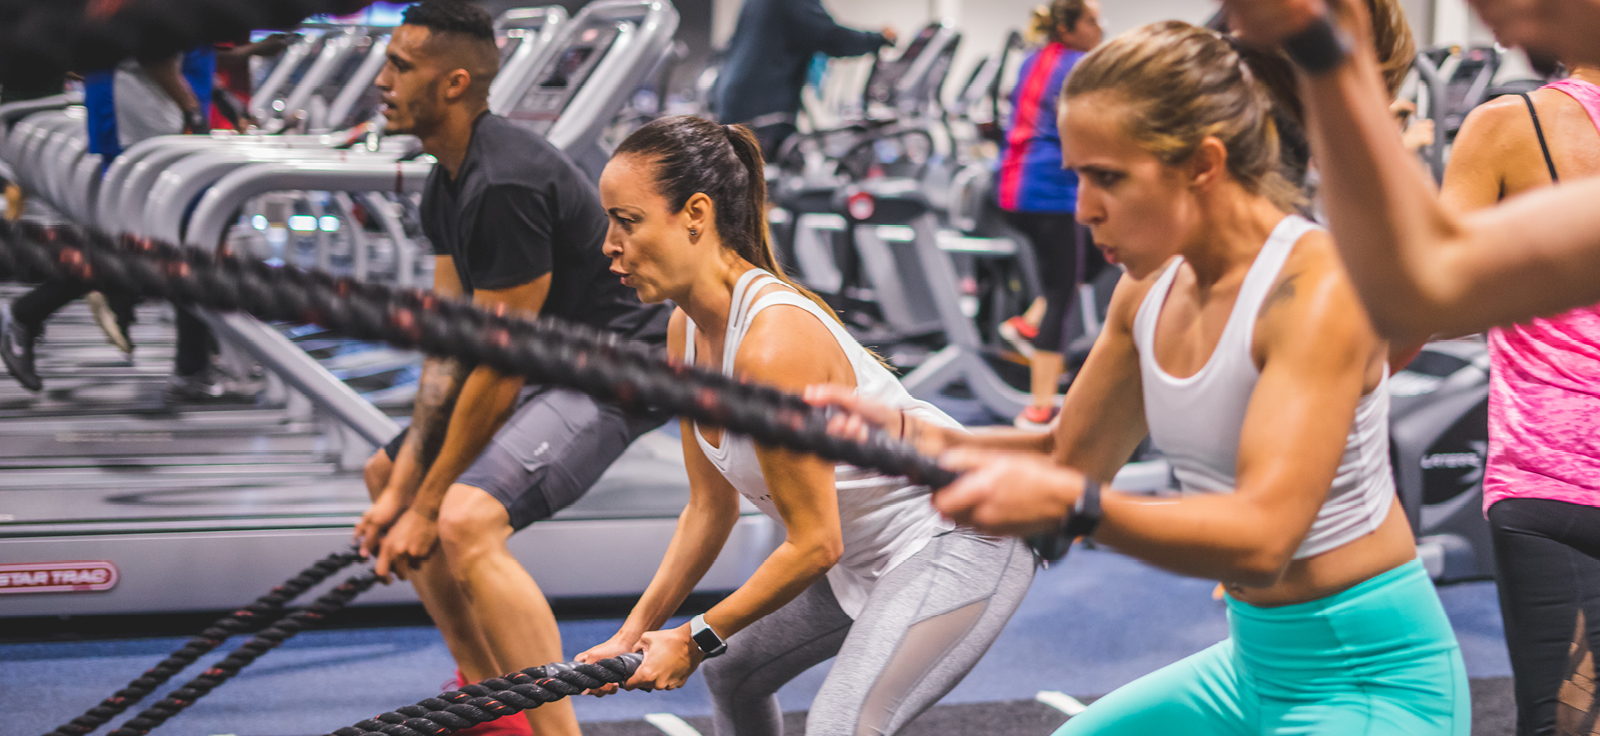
column 546, row 350
column 496, row 697
column 259, row 613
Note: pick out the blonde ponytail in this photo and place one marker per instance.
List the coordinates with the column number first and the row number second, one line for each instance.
column 1044, row 22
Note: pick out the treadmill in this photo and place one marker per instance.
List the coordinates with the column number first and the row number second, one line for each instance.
column 152, row 172
column 157, row 508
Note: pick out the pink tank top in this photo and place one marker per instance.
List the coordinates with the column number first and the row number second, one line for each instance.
column 1544, row 394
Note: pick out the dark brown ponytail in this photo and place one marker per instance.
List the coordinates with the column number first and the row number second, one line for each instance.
column 748, row 149
column 693, row 155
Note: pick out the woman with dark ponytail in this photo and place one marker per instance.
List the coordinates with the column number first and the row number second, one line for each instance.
column 867, row 572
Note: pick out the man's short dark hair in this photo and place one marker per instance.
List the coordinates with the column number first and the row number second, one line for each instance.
column 451, row 16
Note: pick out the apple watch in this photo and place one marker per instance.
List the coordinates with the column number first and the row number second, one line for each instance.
column 707, row 639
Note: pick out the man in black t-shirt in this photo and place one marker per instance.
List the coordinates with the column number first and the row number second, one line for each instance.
column 515, row 227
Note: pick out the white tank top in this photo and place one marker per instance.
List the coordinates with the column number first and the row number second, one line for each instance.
column 1196, row 421
column 885, row 520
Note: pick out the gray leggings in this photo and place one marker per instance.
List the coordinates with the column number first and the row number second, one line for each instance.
column 926, row 624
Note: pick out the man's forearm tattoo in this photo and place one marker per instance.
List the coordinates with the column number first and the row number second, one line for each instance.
column 437, row 391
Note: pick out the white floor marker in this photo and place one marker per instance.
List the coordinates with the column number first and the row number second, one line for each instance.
column 1060, row 701
column 671, row 725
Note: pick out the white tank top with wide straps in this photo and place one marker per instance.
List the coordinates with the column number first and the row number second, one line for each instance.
column 1196, row 421
column 885, row 520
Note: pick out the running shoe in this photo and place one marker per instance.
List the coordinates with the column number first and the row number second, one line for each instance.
column 1019, row 334
column 106, row 318
column 1036, row 418
column 210, row 384
column 16, row 349
column 515, row 724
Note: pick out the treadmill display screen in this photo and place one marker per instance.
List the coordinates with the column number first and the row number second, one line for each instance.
column 917, row 45
column 568, row 65
column 509, row 43
column 887, row 74
column 545, row 100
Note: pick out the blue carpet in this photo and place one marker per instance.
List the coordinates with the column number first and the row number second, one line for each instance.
column 1086, row 627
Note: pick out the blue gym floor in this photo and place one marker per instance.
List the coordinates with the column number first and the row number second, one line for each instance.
column 1090, row 624
column 1086, row 627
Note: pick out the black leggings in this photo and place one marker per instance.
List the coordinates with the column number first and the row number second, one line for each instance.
column 1548, row 553
column 196, row 345
column 1061, row 249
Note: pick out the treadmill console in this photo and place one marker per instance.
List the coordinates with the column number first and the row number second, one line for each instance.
column 509, row 41
column 544, row 102
column 886, row 75
column 511, row 33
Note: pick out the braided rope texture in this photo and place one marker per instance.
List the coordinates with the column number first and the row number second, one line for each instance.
column 41, row 39
column 495, row 697
column 545, row 351
column 264, row 609
column 269, row 639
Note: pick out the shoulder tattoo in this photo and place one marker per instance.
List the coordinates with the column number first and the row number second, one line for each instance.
column 1282, row 293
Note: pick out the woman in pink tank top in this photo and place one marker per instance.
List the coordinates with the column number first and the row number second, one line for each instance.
column 1542, row 485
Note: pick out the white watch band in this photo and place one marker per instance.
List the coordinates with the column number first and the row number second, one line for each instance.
column 710, row 642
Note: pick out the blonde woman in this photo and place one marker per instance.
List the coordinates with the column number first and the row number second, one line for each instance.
column 1237, row 343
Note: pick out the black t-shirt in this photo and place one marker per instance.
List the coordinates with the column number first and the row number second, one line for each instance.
column 519, row 209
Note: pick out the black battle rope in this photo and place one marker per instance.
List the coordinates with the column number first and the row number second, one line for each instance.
column 41, row 39
column 545, row 351
column 495, row 697
column 249, row 618
column 269, row 638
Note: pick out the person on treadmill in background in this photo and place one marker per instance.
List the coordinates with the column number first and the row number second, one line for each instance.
column 1038, row 198
column 767, row 60
column 516, row 228
column 230, row 109
column 125, row 105
column 1541, row 488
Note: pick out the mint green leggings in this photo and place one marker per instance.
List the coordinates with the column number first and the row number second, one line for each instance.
column 1379, row 659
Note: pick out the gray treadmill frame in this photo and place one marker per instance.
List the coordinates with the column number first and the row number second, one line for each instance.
column 165, row 582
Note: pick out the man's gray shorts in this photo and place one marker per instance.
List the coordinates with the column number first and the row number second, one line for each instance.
column 554, row 447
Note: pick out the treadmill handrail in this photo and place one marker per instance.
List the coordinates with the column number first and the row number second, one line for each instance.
column 184, row 180
column 214, row 213
column 648, row 27
column 519, row 17
column 295, row 105
column 275, row 81
column 587, row 103
column 39, row 136
column 12, row 111
column 126, row 197
column 529, row 57
column 305, row 374
column 210, row 220
column 918, row 74
column 1434, row 84
column 108, row 204
column 359, row 83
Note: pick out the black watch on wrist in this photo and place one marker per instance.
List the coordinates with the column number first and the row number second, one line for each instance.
column 195, row 123
column 1081, row 522
column 704, row 637
column 1318, row 49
